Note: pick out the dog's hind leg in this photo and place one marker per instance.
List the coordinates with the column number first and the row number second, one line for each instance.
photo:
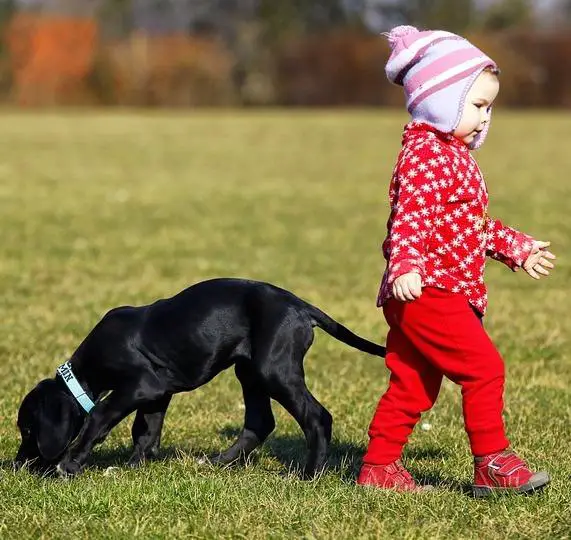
column 313, row 418
column 284, row 377
column 146, row 430
column 258, row 418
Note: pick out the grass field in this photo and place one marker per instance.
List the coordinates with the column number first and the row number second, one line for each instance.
column 99, row 210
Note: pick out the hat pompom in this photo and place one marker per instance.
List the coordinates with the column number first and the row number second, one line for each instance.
column 399, row 32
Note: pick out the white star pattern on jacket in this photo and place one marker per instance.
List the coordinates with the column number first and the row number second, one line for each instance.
column 438, row 225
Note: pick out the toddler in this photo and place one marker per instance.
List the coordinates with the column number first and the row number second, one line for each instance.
column 432, row 292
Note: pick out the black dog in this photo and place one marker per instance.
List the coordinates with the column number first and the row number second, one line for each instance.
column 136, row 358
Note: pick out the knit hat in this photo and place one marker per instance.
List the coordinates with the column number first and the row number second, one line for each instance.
column 436, row 69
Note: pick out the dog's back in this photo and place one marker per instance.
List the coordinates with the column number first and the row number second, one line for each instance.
column 205, row 328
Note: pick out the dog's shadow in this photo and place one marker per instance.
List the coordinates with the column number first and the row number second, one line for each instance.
column 434, row 477
column 344, row 458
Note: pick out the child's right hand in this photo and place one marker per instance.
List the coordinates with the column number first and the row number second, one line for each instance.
column 538, row 262
column 407, row 287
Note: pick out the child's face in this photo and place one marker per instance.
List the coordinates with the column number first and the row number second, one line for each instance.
column 477, row 107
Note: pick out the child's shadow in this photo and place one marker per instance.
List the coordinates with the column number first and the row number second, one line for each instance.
column 345, row 459
column 435, row 479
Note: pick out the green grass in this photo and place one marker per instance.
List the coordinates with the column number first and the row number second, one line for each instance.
column 99, row 210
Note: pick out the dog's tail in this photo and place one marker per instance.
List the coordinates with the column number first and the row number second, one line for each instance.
column 340, row 332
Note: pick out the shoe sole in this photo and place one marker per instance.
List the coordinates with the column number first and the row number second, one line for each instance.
column 417, row 489
column 536, row 483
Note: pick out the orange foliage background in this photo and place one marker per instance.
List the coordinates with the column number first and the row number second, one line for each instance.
column 64, row 61
column 51, row 58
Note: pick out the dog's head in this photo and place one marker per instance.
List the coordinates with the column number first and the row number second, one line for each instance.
column 49, row 419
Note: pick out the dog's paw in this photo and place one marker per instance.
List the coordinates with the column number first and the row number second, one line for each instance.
column 67, row 469
column 140, row 456
column 110, row 471
column 136, row 461
column 228, row 459
column 203, row 460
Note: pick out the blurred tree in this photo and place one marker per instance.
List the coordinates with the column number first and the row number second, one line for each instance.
column 507, row 14
column 75, row 8
column 7, row 9
column 299, row 17
column 252, row 29
column 452, row 15
column 115, row 17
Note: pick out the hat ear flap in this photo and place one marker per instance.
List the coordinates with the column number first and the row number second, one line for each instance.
column 55, row 422
column 481, row 137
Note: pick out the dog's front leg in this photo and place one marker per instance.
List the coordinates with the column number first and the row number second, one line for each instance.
column 147, row 429
column 104, row 417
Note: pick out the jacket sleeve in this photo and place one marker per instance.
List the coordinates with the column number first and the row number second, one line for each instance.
column 507, row 245
column 421, row 192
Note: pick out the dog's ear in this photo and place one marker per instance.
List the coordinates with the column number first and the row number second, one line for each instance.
column 56, row 423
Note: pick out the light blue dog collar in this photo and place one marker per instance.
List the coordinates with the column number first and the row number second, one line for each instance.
column 75, row 388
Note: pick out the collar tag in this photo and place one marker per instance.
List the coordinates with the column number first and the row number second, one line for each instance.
column 75, row 388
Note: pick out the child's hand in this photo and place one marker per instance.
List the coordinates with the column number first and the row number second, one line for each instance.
column 407, row 287
column 537, row 263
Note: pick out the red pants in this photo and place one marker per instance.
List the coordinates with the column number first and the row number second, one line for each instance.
column 437, row 335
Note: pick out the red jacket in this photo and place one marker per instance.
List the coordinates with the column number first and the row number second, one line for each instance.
column 438, row 225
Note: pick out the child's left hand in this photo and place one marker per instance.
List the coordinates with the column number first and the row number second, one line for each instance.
column 537, row 263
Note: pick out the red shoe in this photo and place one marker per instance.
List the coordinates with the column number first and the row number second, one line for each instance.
column 391, row 476
column 505, row 471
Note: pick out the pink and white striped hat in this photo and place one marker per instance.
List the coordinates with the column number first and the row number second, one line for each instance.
column 436, row 69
